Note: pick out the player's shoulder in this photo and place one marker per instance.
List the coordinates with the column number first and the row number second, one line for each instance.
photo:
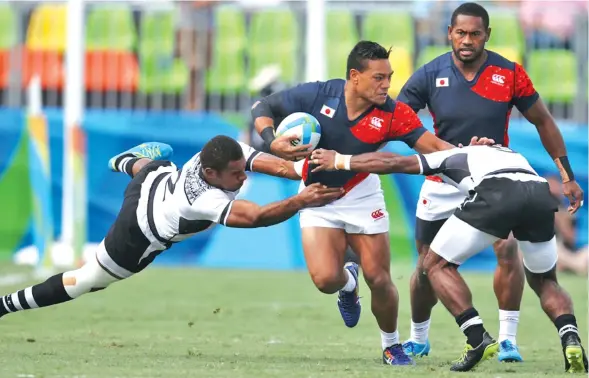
column 395, row 107
column 498, row 60
column 436, row 65
column 332, row 88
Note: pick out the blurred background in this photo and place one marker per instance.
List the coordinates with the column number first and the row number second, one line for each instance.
column 82, row 81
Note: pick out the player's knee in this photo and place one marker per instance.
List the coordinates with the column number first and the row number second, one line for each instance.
column 434, row 262
column 327, row 282
column 507, row 252
column 85, row 279
column 378, row 280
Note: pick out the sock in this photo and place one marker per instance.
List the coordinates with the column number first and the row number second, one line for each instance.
column 566, row 324
column 419, row 331
column 389, row 339
column 508, row 321
column 124, row 163
column 351, row 284
column 472, row 325
column 44, row 294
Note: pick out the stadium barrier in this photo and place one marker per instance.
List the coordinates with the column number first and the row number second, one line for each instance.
column 110, row 132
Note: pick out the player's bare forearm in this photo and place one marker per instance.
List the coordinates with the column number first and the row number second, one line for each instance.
column 275, row 166
column 384, row 162
column 245, row 214
column 262, row 123
column 549, row 133
column 372, row 162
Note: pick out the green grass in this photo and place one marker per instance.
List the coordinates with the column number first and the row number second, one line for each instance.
column 224, row 323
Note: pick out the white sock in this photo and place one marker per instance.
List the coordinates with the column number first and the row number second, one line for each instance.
column 420, row 331
column 508, row 321
column 351, row 284
column 389, row 339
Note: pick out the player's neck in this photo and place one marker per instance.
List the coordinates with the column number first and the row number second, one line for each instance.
column 470, row 69
column 355, row 105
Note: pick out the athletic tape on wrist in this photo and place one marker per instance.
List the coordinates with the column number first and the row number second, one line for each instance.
column 564, row 167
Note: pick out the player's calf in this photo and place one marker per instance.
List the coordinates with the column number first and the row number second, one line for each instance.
column 540, row 266
column 57, row 289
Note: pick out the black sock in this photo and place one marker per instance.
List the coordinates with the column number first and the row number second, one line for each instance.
column 124, row 163
column 472, row 325
column 44, row 294
column 566, row 324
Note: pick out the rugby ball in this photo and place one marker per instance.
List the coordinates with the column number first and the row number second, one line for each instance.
column 304, row 126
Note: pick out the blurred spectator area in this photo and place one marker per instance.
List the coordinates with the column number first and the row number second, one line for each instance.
column 199, row 55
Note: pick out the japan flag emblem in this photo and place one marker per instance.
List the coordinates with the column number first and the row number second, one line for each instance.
column 442, row 82
column 326, row 110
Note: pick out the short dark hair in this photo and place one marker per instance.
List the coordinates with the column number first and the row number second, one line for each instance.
column 363, row 51
column 219, row 151
column 471, row 9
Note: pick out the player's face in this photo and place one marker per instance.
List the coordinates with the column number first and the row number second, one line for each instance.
column 374, row 83
column 468, row 37
column 232, row 177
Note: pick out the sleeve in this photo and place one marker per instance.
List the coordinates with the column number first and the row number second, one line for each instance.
column 281, row 104
column 431, row 163
column 405, row 125
column 415, row 92
column 525, row 94
column 213, row 205
column 250, row 155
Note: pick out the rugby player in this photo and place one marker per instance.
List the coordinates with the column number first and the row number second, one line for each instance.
column 471, row 91
column 356, row 116
column 501, row 193
column 164, row 205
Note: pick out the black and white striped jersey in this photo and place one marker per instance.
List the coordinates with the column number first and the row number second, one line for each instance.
column 178, row 203
column 466, row 167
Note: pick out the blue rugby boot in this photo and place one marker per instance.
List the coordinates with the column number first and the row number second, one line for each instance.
column 394, row 355
column 509, row 352
column 414, row 349
column 149, row 150
column 349, row 301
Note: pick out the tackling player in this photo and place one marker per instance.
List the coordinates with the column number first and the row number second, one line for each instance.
column 164, row 205
column 501, row 194
column 471, row 91
column 356, row 116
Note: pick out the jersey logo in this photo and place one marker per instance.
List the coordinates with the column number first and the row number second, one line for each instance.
column 327, row 111
column 442, row 82
column 498, row 79
column 376, row 123
column 377, row 214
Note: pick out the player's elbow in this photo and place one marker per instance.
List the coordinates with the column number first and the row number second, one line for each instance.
column 261, row 108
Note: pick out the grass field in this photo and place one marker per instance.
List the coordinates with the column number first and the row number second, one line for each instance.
column 205, row 323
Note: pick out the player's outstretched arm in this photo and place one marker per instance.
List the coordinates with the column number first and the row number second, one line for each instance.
column 278, row 167
column 373, row 162
column 246, row 214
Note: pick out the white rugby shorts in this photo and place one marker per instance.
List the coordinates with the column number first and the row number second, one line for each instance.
column 457, row 241
column 437, row 200
column 361, row 211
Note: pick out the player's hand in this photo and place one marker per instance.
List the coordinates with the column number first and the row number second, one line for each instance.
column 574, row 193
column 282, row 147
column 476, row 141
column 323, row 159
column 318, row 195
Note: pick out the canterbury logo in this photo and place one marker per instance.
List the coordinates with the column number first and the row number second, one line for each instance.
column 377, row 214
column 498, row 79
column 376, row 123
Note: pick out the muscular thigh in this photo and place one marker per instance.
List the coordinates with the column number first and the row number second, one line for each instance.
column 324, row 249
column 373, row 251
